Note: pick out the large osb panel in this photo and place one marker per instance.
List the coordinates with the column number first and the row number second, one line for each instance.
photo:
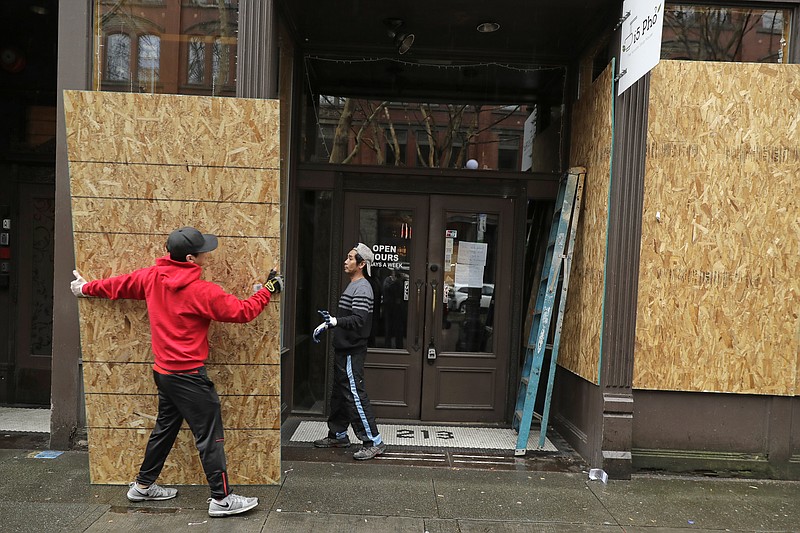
column 719, row 283
column 253, row 457
column 591, row 148
column 165, row 129
column 138, row 172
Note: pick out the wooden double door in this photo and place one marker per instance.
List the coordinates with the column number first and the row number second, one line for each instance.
column 439, row 349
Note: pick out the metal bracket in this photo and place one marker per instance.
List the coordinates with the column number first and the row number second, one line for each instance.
column 622, row 19
column 618, row 76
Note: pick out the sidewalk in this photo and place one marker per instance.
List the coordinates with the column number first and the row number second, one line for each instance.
column 54, row 495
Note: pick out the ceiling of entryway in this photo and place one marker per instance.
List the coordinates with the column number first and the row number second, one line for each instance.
column 449, row 57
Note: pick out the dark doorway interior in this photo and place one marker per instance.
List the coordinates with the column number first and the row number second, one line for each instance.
column 27, row 170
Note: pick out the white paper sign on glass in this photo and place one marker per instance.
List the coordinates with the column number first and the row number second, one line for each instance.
column 472, row 253
column 469, row 275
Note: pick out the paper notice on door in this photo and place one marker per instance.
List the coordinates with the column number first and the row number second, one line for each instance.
column 472, row 253
column 469, row 275
column 448, row 253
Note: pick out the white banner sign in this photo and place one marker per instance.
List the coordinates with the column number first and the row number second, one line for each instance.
column 641, row 40
column 527, row 141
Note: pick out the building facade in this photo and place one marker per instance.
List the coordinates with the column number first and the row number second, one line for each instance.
column 380, row 112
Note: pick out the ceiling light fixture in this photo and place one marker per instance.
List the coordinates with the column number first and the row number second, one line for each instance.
column 401, row 39
column 488, row 27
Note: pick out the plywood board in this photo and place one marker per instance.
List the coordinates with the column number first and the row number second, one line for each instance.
column 106, row 253
column 229, row 379
column 119, row 331
column 719, row 283
column 173, row 182
column 166, row 130
column 591, row 148
column 253, row 457
column 238, row 411
column 157, row 216
column 141, row 166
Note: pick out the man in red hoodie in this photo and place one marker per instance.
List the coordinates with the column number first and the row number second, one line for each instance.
column 181, row 307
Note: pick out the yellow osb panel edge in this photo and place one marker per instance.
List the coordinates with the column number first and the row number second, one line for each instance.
column 172, row 182
column 119, row 331
column 125, row 411
column 235, row 265
column 120, row 215
column 719, row 282
column 590, row 147
column 137, row 378
column 167, row 129
column 253, row 457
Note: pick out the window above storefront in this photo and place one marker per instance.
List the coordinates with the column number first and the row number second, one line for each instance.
column 387, row 129
column 726, row 33
column 166, row 46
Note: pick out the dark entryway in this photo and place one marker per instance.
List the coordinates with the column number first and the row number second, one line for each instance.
column 439, row 350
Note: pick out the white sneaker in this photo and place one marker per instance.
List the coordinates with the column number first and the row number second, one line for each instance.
column 231, row 504
column 153, row 492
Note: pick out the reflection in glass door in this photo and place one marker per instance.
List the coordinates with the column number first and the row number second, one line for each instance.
column 471, row 238
column 469, row 279
column 439, row 289
column 396, row 230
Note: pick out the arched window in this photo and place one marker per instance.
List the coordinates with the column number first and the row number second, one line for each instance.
column 148, row 59
column 220, row 63
column 196, row 64
column 118, row 57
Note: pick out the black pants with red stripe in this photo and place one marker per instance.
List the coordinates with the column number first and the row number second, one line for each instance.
column 191, row 397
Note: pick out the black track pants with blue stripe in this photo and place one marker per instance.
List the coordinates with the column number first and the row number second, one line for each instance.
column 349, row 402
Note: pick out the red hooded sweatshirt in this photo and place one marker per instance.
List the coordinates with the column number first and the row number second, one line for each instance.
column 180, row 306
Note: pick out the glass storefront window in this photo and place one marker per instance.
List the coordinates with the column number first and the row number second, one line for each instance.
column 166, row 46
column 720, row 33
column 390, row 273
column 412, row 134
column 366, row 122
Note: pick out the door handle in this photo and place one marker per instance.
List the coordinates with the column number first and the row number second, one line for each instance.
column 418, row 305
column 434, row 285
column 431, row 352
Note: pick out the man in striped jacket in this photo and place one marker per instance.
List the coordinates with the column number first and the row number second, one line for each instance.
column 349, row 401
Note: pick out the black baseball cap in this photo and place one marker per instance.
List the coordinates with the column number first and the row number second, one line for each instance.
column 186, row 241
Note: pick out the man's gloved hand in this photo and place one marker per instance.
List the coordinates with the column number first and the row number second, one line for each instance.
column 76, row 285
column 319, row 330
column 274, row 283
column 330, row 322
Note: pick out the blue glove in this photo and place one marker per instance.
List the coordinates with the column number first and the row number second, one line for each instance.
column 329, row 320
column 318, row 331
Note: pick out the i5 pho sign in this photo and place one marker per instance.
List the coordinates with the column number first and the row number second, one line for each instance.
column 640, row 50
